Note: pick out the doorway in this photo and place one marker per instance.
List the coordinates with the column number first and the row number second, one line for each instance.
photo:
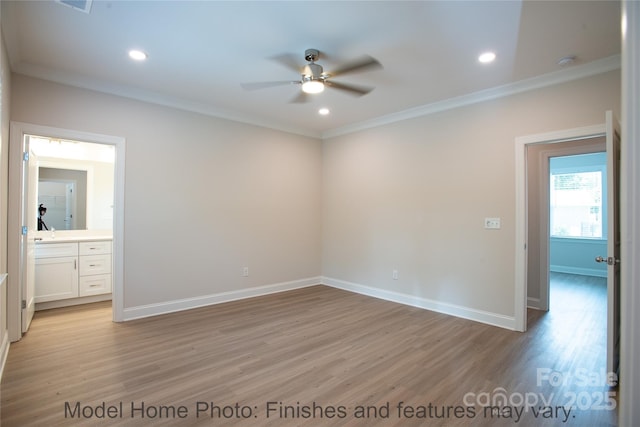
column 578, row 236
column 19, row 294
column 532, row 252
column 550, row 238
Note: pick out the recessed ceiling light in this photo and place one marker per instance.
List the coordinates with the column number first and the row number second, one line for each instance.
column 487, row 57
column 323, row 111
column 137, row 55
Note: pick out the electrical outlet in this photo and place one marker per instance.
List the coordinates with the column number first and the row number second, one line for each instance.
column 245, row 271
column 492, row 223
column 394, row 274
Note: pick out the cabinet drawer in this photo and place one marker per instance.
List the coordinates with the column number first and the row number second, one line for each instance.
column 95, row 264
column 95, row 248
column 52, row 250
column 95, row 285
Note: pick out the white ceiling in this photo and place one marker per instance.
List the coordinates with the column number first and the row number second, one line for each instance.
column 201, row 51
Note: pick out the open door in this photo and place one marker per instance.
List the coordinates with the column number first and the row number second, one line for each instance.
column 613, row 243
column 29, row 228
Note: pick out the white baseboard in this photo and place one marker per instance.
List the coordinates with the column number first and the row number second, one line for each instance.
column 148, row 310
column 578, row 270
column 507, row 322
column 4, row 332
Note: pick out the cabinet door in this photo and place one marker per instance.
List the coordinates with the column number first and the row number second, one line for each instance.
column 56, row 278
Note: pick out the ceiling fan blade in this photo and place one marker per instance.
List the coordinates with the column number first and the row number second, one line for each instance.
column 264, row 85
column 365, row 63
column 301, row 98
column 352, row 89
column 288, row 60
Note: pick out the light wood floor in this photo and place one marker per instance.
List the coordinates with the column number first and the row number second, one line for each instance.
column 322, row 346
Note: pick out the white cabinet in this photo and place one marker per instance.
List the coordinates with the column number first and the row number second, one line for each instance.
column 94, row 248
column 56, row 278
column 54, row 250
column 95, row 268
column 90, row 265
column 94, row 285
column 72, row 270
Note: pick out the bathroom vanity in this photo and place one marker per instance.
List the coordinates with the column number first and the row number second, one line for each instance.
column 72, row 269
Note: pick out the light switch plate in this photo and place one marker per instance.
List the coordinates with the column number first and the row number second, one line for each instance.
column 492, row 223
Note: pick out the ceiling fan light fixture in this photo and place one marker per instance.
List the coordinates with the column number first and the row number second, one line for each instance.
column 312, row 86
column 313, row 79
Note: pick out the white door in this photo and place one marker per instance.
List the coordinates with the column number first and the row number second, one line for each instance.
column 613, row 243
column 30, row 227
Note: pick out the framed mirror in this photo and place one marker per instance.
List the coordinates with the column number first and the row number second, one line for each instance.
column 62, row 199
column 75, row 184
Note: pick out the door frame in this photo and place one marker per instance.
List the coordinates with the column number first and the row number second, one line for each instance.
column 522, row 220
column 17, row 131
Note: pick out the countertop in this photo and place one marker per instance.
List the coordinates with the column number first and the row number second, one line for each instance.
column 66, row 236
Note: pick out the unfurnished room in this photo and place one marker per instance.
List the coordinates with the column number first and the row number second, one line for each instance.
column 319, row 213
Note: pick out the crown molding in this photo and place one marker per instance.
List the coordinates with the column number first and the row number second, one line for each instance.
column 84, row 82
column 574, row 73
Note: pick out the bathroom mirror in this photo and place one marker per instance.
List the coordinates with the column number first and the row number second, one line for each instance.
column 62, row 199
column 75, row 184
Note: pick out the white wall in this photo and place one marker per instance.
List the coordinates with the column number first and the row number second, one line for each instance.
column 204, row 197
column 413, row 195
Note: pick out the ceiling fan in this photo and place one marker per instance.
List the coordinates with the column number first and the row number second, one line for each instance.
column 313, row 79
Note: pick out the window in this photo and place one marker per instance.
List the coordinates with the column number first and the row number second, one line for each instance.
column 576, row 208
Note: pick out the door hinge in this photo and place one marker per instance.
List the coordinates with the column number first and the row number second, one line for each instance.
column 24, row 304
column 25, row 156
